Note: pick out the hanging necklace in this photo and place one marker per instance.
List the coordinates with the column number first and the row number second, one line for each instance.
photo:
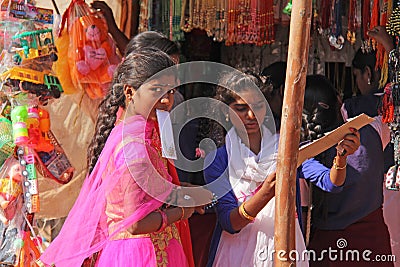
column 187, row 21
column 352, row 21
column 366, row 20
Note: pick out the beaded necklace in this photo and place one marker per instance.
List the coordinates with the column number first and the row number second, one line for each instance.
column 178, row 32
column 196, row 14
column 267, row 18
column 143, row 16
column 231, row 26
column 352, row 22
column 211, row 17
column 187, row 21
column 366, row 19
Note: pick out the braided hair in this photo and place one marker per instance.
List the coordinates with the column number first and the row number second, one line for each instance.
column 321, row 114
column 137, row 67
column 321, row 110
column 226, row 96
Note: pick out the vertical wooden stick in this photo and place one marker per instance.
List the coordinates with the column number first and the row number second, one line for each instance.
column 297, row 63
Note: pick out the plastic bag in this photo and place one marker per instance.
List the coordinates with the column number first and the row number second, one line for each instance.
column 11, row 208
column 91, row 53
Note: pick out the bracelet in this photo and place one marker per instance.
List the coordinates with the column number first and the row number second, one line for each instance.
column 243, row 212
column 337, row 167
column 183, row 214
column 164, row 220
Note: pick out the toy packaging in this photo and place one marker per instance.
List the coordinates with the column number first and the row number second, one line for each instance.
column 92, row 54
column 22, row 10
column 11, row 212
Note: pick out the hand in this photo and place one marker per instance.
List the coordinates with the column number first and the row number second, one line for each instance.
column 107, row 12
column 188, row 212
column 381, row 36
column 349, row 144
column 268, row 186
column 200, row 209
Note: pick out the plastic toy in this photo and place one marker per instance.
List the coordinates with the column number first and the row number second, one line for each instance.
column 32, row 124
column 35, row 44
column 41, row 83
column 19, row 114
column 52, row 164
column 44, row 144
column 10, row 191
column 27, row 162
column 6, row 140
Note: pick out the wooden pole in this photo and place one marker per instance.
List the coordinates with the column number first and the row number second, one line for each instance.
column 297, row 63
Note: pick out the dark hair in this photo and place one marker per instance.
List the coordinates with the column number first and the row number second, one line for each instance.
column 226, row 93
column 152, row 39
column 137, row 67
column 276, row 75
column 362, row 60
column 321, row 113
column 321, row 110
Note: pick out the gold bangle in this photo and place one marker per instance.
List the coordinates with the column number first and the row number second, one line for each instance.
column 243, row 212
column 337, row 167
column 183, row 214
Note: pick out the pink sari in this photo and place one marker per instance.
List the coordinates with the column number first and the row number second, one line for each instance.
column 129, row 181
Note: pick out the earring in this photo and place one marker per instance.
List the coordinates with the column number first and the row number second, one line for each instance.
column 226, row 117
column 369, row 81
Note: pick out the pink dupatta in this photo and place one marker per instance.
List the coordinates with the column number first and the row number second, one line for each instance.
column 127, row 153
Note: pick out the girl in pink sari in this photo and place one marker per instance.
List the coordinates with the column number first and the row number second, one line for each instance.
column 120, row 211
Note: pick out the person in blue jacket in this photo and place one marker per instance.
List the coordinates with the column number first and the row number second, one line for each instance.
column 351, row 221
column 241, row 172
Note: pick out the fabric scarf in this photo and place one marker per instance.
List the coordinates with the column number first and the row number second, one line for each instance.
column 252, row 246
column 247, row 171
column 127, row 155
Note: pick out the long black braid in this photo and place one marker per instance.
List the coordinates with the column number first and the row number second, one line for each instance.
column 321, row 110
column 321, row 114
column 136, row 68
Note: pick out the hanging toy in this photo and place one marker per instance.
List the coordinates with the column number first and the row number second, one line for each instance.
column 10, row 191
column 19, row 114
column 92, row 53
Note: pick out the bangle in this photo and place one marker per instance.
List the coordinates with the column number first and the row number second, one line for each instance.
column 164, row 222
column 337, row 167
column 243, row 212
column 183, row 214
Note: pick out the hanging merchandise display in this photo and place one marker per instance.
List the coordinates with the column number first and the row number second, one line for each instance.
column 165, row 16
column 390, row 107
column 232, row 21
column 92, row 57
column 27, row 146
column 352, row 22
